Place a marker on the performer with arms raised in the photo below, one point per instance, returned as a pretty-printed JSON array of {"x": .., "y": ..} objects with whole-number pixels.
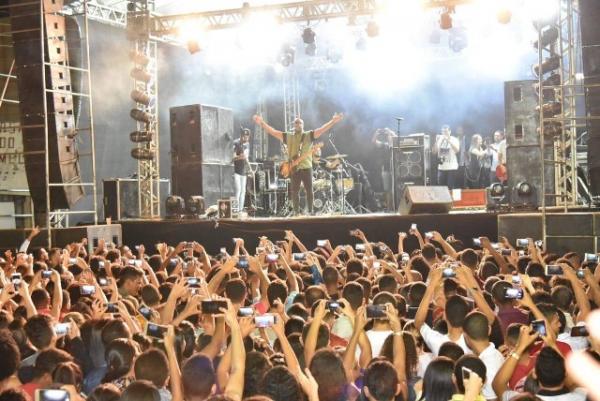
[{"x": 300, "y": 148}]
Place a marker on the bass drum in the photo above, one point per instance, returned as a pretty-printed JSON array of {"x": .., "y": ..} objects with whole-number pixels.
[{"x": 319, "y": 201}]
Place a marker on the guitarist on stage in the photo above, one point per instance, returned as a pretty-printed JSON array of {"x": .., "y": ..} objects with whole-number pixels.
[{"x": 300, "y": 148}]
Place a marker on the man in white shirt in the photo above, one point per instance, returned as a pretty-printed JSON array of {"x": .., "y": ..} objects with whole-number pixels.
[
  {"x": 446, "y": 147},
  {"x": 496, "y": 150},
  {"x": 477, "y": 330}
]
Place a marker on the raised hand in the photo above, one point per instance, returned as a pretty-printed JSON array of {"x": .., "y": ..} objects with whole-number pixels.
[
  {"x": 258, "y": 119},
  {"x": 337, "y": 117}
]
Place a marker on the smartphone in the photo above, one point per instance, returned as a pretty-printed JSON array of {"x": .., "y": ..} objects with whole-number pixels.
[
  {"x": 321, "y": 242},
  {"x": 333, "y": 306},
  {"x": 405, "y": 257},
  {"x": 539, "y": 243},
  {"x": 61, "y": 329},
  {"x": 193, "y": 282},
  {"x": 590, "y": 257},
  {"x": 579, "y": 331},
  {"x": 101, "y": 264},
  {"x": 539, "y": 326},
  {"x": 212, "y": 307},
  {"x": 506, "y": 252},
  {"x": 103, "y": 282},
  {"x": 466, "y": 374},
  {"x": 448, "y": 273},
  {"x": 272, "y": 257},
  {"x": 15, "y": 279},
  {"x": 112, "y": 308},
  {"x": 554, "y": 270},
  {"x": 521, "y": 253},
  {"x": 299, "y": 256},
  {"x": 522, "y": 242},
  {"x": 242, "y": 262},
  {"x": 145, "y": 312},
  {"x": 376, "y": 312},
  {"x": 87, "y": 290},
  {"x": 376, "y": 265},
  {"x": 46, "y": 273},
  {"x": 516, "y": 279},
  {"x": 413, "y": 227},
  {"x": 49, "y": 394},
  {"x": 476, "y": 242},
  {"x": 429, "y": 235},
  {"x": 155, "y": 330},
  {"x": 354, "y": 233},
  {"x": 360, "y": 247},
  {"x": 135, "y": 262},
  {"x": 580, "y": 274},
  {"x": 266, "y": 320},
  {"x": 245, "y": 311},
  {"x": 513, "y": 293},
  {"x": 223, "y": 251},
  {"x": 72, "y": 261}
]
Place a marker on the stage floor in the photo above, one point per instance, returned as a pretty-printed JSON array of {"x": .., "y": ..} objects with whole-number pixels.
[{"x": 214, "y": 234}]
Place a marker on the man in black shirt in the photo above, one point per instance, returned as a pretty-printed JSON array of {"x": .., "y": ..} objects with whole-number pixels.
[{"x": 241, "y": 151}]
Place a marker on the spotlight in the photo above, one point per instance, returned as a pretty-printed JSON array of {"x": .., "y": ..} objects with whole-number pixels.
[
  {"x": 496, "y": 197},
  {"x": 193, "y": 46},
  {"x": 140, "y": 74},
  {"x": 372, "y": 29},
  {"x": 175, "y": 207},
  {"x": 446, "y": 18},
  {"x": 139, "y": 58},
  {"x": 140, "y": 97},
  {"x": 497, "y": 190},
  {"x": 550, "y": 64},
  {"x": 549, "y": 35},
  {"x": 311, "y": 49},
  {"x": 287, "y": 56},
  {"x": 141, "y": 136},
  {"x": 141, "y": 116},
  {"x": 524, "y": 188},
  {"x": 550, "y": 109},
  {"x": 308, "y": 36},
  {"x": 142, "y": 154},
  {"x": 524, "y": 196},
  {"x": 504, "y": 16},
  {"x": 458, "y": 39},
  {"x": 195, "y": 206}
]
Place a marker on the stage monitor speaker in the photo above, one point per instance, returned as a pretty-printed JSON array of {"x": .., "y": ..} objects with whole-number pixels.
[
  {"x": 411, "y": 159},
  {"x": 201, "y": 152},
  {"x": 120, "y": 198},
  {"x": 62, "y": 134},
  {"x": 422, "y": 199}
]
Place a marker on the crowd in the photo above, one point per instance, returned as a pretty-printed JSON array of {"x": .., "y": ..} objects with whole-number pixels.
[{"x": 369, "y": 322}]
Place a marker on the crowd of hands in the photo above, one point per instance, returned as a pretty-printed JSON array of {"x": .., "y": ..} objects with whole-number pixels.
[{"x": 196, "y": 295}]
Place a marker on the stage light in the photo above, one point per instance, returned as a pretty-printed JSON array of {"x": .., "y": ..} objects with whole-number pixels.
[
  {"x": 140, "y": 115},
  {"x": 139, "y": 58},
  {"x": 446, "y": 18},
  {"x": 549, "y": 35},
  {"x": 308, "y": 36},
  {"x": 524, "y": 188},
  {"x": 372, "y": 29},
  {"x": 174, "y": 207},
  {"x": 193, "y": 46},
  {"x": 195, "y": 206},
  {"x": 143, "y": 154},
  {"x": 549, "y": 65},
  {"x": 140, "y": 74},
  {"x": 497, "y": 190},
  {"x": 550, "y": 109},
  {"x": 141, "y": 136},
  {"x": 140, "y": 97},
  {"x": 457, "y": 40},
  {"x": 504, "y": 16},
  {"x": 287, "y": 55},
  {"x": 524, "y": 196}
]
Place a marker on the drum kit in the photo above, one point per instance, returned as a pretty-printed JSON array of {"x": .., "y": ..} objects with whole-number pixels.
[{"x": 332, "y": 183}]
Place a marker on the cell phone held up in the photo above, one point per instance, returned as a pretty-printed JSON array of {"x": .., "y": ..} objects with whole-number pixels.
[
  {"x": 376, "y": 312},
  {"x": 49, "y": 394},
  {"x": 513, "y": 293},
  {"x": 213, "y": 307},
  {"x": 155, "y": 330},
  {"x": 539, "y": 326}
]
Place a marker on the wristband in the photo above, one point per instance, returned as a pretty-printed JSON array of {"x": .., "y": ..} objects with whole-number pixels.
[{"x": 515, "y": 356}]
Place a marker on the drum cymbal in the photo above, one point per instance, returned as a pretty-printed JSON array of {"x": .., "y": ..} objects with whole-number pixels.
[{"x": 338, "y": 156}]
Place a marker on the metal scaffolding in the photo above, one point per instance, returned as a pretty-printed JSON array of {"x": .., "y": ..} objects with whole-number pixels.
[
  {"x": 291, "y": 97},
  {"x": 144, "y": 80}
]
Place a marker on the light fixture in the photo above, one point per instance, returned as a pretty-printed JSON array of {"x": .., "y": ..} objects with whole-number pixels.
[
  {"x": 548, "y": 65},
  {"x": 287, "y": 55},
  {"x": 548, "y": 36},
  {"x": 141, "y": 136},
  {"x": 308, "y": 36},
  {"x": 372, "y": 29},
  {"x": 446, "y": 18},
  {"x": 195, "y": 206},
  {"x": 504, "y": 15},
  {"x": 524, "y": 188},
  {"x": 139, "y": 74},
  {"x": 140, "y": 97},
  {"x": 497, "y": 190},
  {"x": 141, "y": 116},
  {"x": 193, "y": 46},
  {"x": 143, "y": 153},
  {"x": 174, "y": 207}
]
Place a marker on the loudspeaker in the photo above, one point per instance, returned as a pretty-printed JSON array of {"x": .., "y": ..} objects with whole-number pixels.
[
  {"x": 29, "y": 67},
  {"x": 201, "y": 152},
  {"x": 421, "y": 199},
  {"x": 523, "y": 161},
  {"x": 120, "y": 197},
  {"x": 412, "y": 157}
]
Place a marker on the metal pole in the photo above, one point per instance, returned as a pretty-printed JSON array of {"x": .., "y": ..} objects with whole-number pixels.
[
  {"x": 46, "y": 142},
  {"x": 541, "y": 138},
  {"x": 91, "y": 111},
  {"x": 12, "y": 65}
]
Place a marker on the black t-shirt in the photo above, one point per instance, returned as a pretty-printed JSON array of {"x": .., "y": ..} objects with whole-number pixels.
[{"x": 239, "y": 166}]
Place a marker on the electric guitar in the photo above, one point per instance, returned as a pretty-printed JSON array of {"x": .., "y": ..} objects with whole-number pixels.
[{"x": 287, "y": 168}]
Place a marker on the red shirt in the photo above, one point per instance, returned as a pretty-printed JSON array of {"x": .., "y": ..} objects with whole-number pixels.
[
  {"x": 30, "y": 388},
  {"x": 521, "y": 371}
]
